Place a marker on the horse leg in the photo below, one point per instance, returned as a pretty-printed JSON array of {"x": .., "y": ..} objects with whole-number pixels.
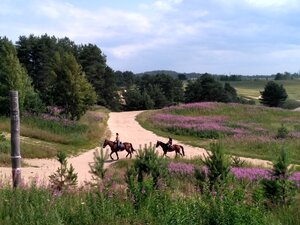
[
  {"x": 111, "y": 156},
  {"x": 180, "y": 153},
  {"x": 128, "y": 152},
  {"x": 117, "y": 155}
]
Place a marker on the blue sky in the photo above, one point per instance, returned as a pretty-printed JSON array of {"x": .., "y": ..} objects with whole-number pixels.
[{"x": 246, "y": 37}]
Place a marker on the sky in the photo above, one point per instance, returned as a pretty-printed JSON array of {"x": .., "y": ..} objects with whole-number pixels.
[{"x": 247, "y": 37}]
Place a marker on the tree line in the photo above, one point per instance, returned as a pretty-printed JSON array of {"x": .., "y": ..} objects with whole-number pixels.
[{"x": 50, "y": 71}]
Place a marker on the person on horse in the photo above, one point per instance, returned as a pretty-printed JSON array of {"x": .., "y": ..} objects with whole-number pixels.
[
  {"x": 118, "y": 142},
  {"x": 169, "y": 143}
]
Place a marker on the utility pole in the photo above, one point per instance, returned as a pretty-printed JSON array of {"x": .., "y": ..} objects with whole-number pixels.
[{"x": 15, "y": 138}]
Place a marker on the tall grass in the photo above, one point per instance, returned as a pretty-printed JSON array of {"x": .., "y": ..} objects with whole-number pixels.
[
  {"x": 43, "y": 138},
  {"x": 178, "y": 202}
]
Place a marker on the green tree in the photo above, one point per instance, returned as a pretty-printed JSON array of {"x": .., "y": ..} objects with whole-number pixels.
[
  {"x": 73, "y": 92},
  {"x": 279, "y": 189},
  {"x": 273, "y": 95},
  {"x": 230, "y": 93},
  {"x": 205, "y": 88},
  {"x": 93, "y": 63},
  {"x": 37, "y": 54},
  {"x": 13, "y": 77},
  {"x": 133, "y": 99}
]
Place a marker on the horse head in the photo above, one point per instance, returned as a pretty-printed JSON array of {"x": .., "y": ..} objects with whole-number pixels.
[
  {"x": 105, "y": 143},
  {"x": 157, "y": 143}
]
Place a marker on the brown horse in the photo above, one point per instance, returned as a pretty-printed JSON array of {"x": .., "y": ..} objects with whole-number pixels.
[
  {"x": 172, "y": 148},
  {"x": 114, "y": 148}
]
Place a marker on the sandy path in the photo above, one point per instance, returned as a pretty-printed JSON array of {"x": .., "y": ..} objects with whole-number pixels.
[{"x": 129, "y": 130}]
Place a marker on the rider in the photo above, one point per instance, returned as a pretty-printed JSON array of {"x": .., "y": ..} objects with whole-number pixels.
[
  {"x": 118, "y": 140},
  {"x": 169, "y": 143}
]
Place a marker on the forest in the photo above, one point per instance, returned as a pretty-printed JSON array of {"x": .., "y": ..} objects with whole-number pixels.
[{"x": 55, "y": 72}]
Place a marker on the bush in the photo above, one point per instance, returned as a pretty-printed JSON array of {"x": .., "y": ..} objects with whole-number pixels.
[
  {"x": 64, "y": 178},
  {"x": 273, "y": 95},
  {"x": 142, "y": 178},
  {"x": 290, "y": 104},
  {"x": 218, "y": 166},
  {"x": 282, "y": 132},
  {"x": 279, "y": 190},
  {"x": 97, "y": 167}
]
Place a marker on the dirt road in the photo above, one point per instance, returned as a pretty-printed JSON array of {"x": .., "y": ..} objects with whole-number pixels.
[{"x": 129, "y": 130}]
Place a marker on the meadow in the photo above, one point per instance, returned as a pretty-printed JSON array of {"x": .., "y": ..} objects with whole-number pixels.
[
  {"x": 251, "y": 88},
  {"x": 45, "y": 135},
  {"x": 245, "y": 130},
  {"x": 150, "y": 190}
]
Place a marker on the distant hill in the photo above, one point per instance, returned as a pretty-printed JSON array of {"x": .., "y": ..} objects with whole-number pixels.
[
  {"x": 171, "y": 73},
  {"x": 224, "y": 77}
]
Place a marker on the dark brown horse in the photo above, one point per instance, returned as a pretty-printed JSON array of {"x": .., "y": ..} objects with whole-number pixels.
[
  {"x": 172, "y": 148},
  {"x": 114, "y": 148}
]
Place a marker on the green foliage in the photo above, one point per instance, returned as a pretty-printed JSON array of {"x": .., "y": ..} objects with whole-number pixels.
[
  {"x": 273, "y": 95},
  {"x": 155, "y": 91},
  {"x": 218, "y": 166},
  {"x": 56, "y": 75},
  {"x": 142, "y": 178},
  {"x": 102, "y": 77},
  {"x": 13, "y": 77},
  {"x": 2, "y": 137},
  {"x": 237, "y": 161},
  {"x": 279, "y": 190},
  {"x": 4, "y": 145},
  {"x": 229, "y": 207},
  {"x": 290, "y": 104},
  {"x": 76, "y": 93},
  {"x": 282, "y": 132},
  {"x": 65, "y": 177},
  {"x": 37, "y": 206},
  {"x": 206, "y": 88},
  {"x": 109, "y": 96},
  {"x": 97, "y": 167}
]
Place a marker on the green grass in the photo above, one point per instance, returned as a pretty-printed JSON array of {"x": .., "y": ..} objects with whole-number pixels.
[
  {"x": 179, "y": 202},
  {"x": 41, "y": 138},
  {"x": 260, "y": 125},
  {"x": 251, "y": 88}
]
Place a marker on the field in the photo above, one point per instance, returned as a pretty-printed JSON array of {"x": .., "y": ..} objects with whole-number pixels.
[
  {"x": 123, "y": 198},
  {"x": 45, "y": 135},
  {"x": 251, "y": 88},
  {"x": 245, "y": 130},
  {"x": 154, "y": 190}
]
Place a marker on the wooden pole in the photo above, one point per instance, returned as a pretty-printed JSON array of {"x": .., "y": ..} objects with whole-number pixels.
[{"x": 15, "y": 138}]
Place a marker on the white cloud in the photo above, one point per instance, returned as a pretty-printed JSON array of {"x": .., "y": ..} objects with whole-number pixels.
[
  {"x": 130, "y": 50},
  {"x": 271, "y": 3}
]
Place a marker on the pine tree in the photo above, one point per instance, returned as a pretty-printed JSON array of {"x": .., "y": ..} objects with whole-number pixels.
[
  {"x": 273, "y": 95},
  {"x": 12, "y": 77}
]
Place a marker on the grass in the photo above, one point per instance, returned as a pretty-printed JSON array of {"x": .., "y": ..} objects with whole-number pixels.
[
  {"x": 41, "y": 138},
  {"x": 251, "y": 88},
  {"x": 245, "y": 130},
  {"x": 110, "y": 202}
]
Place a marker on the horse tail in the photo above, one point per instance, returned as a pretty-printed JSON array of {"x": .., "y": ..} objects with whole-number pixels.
[
  {"x": 133, "y": 150},
  {"x": 182, "y": 149}
]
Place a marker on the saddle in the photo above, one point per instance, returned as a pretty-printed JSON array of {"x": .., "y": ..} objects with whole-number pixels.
[{"x": 120, "y": 145}]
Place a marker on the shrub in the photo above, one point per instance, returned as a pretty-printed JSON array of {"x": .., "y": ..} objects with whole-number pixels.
[
  {"x": 282, "y": 132},
  {"x": 279, "y": 190},
  {"x": 217, "y": 163},
  {"x": 97, "y": 167},
  {"x": 290, "y": 104},
  {"x": 64, "y": 177},
  {"x": 273, "y": 95},
  {"x": 142, "y": 178}
]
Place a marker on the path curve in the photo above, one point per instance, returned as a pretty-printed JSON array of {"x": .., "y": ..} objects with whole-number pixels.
[{"x": 129, "y": 129}]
